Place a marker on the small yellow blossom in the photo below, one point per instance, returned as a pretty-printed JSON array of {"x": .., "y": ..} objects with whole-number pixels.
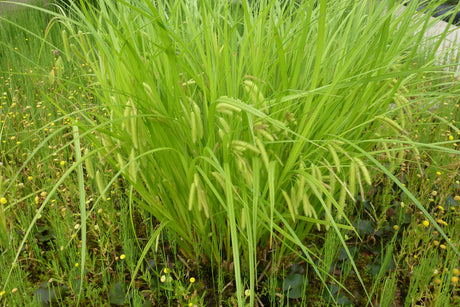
[
  {"x": 122, "y": 256},
  {"x": 457, "y": 197},
  {"x": 436, "y": 242},
  {"x": 166, "y": 270},
  {"x": 30, "y": 178},
  {"x": 190, "y": 304},
  {"x": 426, "y": 223},
  {"x": 456, "y": 272},
  {"x": 442, "y": 246},
  {"x": 451, "y": 138},
  {"x": 3, "y": 201},
  {"x": 438, "y": 173},
  {"x": 439, "y": 221},
  {"x": 192, "y": 280},
  {"x": 2, "y": 293},
  {"x": 441, "y": 208},
  {"x": 437, "y": 281},
  {"x": 76, "y": 264},
  {"x": 62, "y": 163},
  {"x": 454, "y": 279},
  {"x": 395, "y": 227}
]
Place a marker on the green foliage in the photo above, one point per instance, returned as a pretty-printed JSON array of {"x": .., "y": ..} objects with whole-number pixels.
[
  {"x": 244, "y": 129},
  {"x": 251, "y": 115},
  {"x": 67, "y": 4}
]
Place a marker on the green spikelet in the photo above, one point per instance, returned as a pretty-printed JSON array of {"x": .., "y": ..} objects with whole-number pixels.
[
  {"x": 83, "y": 43},
  {"x": 289, "y": 204},
  {"x": 193, "y": 127},
  {"x": 89, "y": 166},
  {"x": 256, "y": 95},
  {"x": 198, "y": 120},
  {"x": 121, "y": 162},
  {"x": 191, "y": 196},
  {"x": 335, "y": 157},
  {"x": 100, "y": 184},
  {"x": 341, "y": 202},
  {"x": 65, "y": 42},
  {"x": 132, "y": 168},
  {"x": 77, "y": 53},
  {"x": 352, "y": 178}
]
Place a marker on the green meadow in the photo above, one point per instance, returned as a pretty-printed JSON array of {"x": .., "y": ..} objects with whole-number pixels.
[{"x": 228, "y": 153}]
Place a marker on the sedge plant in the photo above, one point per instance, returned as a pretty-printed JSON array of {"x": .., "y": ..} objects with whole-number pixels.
[
  {"x": 248, "y": 124},
  {"x": 244, "y": 126}
]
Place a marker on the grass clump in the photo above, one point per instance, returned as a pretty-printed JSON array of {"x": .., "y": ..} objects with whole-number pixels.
[{"x": 240, "y": 131}]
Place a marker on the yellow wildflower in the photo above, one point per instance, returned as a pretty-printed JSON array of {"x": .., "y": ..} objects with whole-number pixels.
[{"x": 439, "y": 221}]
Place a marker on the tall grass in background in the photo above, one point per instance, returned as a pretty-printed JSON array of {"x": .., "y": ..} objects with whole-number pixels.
[{"x": 244, "y": 126}]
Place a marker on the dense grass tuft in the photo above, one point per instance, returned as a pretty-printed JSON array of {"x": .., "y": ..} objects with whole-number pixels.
[{"x": 255, "y": 140}]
